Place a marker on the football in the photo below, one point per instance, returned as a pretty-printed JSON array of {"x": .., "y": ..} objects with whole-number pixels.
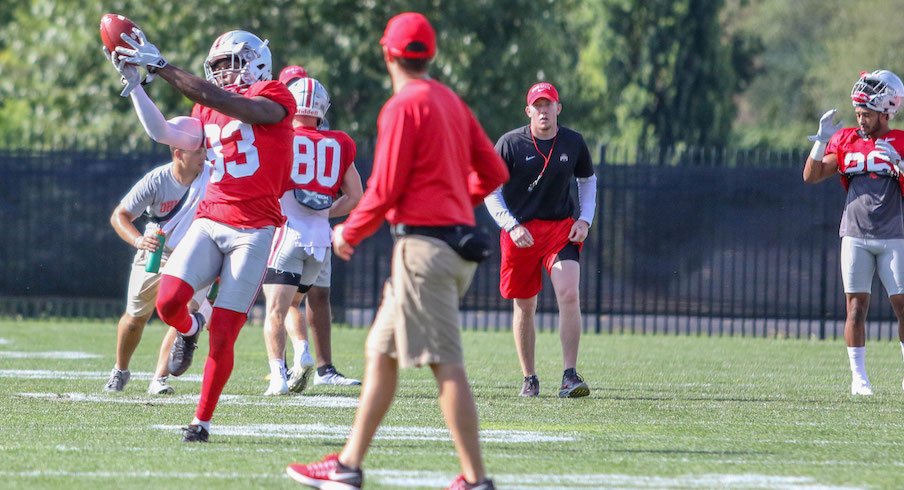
[{"x": 111, "y": 27}]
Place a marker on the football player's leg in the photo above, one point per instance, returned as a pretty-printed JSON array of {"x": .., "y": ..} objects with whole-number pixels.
[
  {"x": 193, "y": 265},
  {"x": 319, "y": 314},
  {"x": 278, "y": 300},
  {"x": 240, "y": 279},
  {"x": 858, "y": 265}
]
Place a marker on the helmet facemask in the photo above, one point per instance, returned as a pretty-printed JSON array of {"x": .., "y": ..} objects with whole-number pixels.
[
  {"x": 879, "y": 91},
  {"x": 246, "y": 65}
]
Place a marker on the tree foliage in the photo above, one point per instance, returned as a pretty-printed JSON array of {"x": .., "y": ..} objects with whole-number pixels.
[{"x": 635, "y": 72}]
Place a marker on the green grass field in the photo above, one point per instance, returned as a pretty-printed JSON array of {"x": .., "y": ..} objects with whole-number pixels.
[{"x": 665, "y": 412}]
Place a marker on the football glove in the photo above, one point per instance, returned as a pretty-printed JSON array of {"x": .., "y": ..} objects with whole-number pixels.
[
  {"x": 826, "y": 127},
  {"x": 128, "y": 74},
  {"x": 891, "y": 154},
  {"x": 142, "y": 52}
]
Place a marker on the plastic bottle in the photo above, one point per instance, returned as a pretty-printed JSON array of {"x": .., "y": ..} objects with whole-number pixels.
[{"x": 154, "y": 258}]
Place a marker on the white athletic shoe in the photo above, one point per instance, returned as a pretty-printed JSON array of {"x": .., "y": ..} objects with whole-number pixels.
[
  {"x": 277, "y": 388},
  {"x": 159, "y": 386},
  {"x": 861, "y": 387},
  {"x": 299, "y": 376},
  {"x": 334, "y": 378}
]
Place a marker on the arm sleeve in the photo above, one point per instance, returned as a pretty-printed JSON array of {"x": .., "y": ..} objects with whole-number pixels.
[
  {"x": 499, "y": 211},
  {"x": 583, "y": 171},
  {"x": 487, "y": 170},
  {"x": 587, "y": 197},
  {"x": 393, "y": 162},
  {"x": 181, "y": 132}
]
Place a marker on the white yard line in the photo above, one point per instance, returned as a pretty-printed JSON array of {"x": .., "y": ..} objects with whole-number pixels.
[
  {"x": 340, "y": 432},
  {"x": 436, "y": 479},
  {"x": 8, "y": 354},
  {"x": 47, "y": 374},
  {"x": 235, "y": 400},
  {"x": 5, "y": 341}
]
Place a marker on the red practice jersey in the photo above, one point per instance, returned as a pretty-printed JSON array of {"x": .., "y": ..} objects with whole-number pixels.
[
  {"x": 251, "y": 162},
  {"x": 857, "y": 155},
  {"x": 321, "y": 159}
]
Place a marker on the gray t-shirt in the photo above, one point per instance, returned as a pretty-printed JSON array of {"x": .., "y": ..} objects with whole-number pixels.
[
  {"x": 158, "y": 192},
  {"x": 873, "y": 208}
]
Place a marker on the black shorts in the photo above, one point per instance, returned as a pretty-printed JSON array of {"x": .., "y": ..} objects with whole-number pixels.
[
  {"x": 286, "y": 278},
  {"x": 571, "y": 251}
]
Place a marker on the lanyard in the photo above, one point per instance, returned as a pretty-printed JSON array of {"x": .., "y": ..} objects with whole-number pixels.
[{"x": 546, "y": 158}]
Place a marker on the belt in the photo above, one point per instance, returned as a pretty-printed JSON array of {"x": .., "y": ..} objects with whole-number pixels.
[{"x": 441, "y": 232}]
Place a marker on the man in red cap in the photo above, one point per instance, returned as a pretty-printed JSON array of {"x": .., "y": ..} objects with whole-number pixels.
[
  {"x": 536, "y": 213},
  {"x": 433, "y": 163}
]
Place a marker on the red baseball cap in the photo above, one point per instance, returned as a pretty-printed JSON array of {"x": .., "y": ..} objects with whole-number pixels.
[
  {"x": 292, "y": 72},
  {"x": 542, "y": 90},
  {"x": 405, "y": 29}
]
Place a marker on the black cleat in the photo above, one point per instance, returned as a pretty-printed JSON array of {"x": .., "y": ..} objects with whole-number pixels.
[
  {"x": 183, "y": 350},
  {"x": 195, "y": 433}
]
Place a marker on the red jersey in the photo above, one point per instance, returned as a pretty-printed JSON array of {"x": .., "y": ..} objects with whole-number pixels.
[
  {"x": 251, "y": 162},
  {"x": 320, "y": 160},
  {"x": 858, "y": 156},
  {"x": 432, "y": 164}
]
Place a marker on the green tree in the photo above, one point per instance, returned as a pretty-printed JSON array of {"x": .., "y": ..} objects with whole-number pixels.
[
  {"x": 663, "y": 72},
  {"x": 58, "y": 89}
]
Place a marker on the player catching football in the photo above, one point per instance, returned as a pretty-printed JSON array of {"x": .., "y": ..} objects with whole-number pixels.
[
  {"x": 247, "y": 131},
  {"x": 868, "y": 157}
]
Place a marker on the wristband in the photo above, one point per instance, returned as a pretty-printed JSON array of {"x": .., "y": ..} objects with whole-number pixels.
[
  {"x": 137, "y": 241},
  {"x": 819, "y": 151}
]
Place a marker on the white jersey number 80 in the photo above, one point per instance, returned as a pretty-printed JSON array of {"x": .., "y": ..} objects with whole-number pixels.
[{"x": 311, "y": 161}]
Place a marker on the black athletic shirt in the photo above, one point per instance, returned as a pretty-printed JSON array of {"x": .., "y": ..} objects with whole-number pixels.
[{"x": 550, "y": 199}]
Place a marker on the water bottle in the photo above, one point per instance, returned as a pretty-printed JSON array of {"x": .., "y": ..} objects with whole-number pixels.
[{"x": 154, "y": 258}]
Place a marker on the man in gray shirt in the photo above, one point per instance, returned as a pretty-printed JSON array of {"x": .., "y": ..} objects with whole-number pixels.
[
  {"x": 168, "y": 195},
  {"x": 868, "y": 157}
]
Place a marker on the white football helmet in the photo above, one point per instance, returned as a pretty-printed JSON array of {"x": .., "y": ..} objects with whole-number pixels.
[
  {"x": 247, "y": 54},
  {"x": 880, "y": 91},
  {"x": 311, "y": 98}
]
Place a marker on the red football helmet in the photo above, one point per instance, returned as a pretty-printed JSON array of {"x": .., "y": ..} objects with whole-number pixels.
[{"x": 291, "y": 73}]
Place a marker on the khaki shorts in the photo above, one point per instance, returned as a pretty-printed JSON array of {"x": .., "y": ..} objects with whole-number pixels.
[
  {"x": 417, "y": 322},
  {"x": 142, "y": 293}
]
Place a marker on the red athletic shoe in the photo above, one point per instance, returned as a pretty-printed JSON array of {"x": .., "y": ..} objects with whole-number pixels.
[
  {"x": 328, "y": 474},
  {"x": 461, "y": 484}
]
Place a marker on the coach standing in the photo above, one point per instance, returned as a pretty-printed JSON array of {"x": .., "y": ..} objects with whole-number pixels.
[
  {"x": 534, "y": 210},
  {"x": 433, "y": 163}
]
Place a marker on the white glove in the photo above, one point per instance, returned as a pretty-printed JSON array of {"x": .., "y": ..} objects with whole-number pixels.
[
  {"x": 821, "y": 139},
  {"x": 128, "y": 74},
  {"x": 142, "y": 52},
  {"x": 892, "y": 155},
  {"x": 826, "y": 127}
]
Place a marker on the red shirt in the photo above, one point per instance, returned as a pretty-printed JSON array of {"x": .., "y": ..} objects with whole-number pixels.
[
  {"x": 432, "y": 164},
  {"x": 321, "y": 160},
  {"x": 857, "y": 155},
  {"x": 251, "y": 162}
]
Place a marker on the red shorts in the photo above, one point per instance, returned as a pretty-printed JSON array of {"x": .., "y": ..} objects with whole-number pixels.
[{"x": 520, "y": 273}]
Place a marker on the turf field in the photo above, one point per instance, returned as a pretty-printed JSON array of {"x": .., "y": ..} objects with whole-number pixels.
[{"x": 665, "y": 412}]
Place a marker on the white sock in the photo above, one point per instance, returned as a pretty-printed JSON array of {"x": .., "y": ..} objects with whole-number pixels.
[
  {"x": 277, "y": 370},
  {"x": 205, "y": 310},
  {"x": 857, "y": 356},
  {"x": 902, "y": 348},
  {"x": 202, "y": 423},
  {"x": 194, "y": 327},
  {"x": 300, "y": 347}
]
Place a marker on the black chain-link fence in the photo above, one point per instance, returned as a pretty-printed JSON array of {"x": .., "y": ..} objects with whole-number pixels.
[{"x": 699, "y": 241}]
